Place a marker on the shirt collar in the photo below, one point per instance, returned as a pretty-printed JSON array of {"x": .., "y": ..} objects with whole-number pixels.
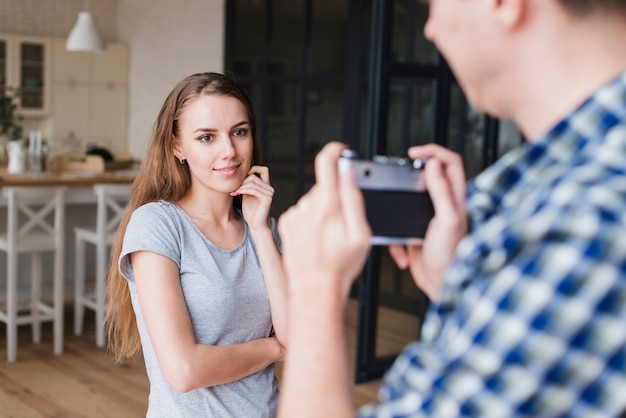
[{"x": 574, "y": 138}]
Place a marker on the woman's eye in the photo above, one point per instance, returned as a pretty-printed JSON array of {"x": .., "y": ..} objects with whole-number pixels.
[
  {"x": 240, "y": 132},
  {"x": 205, "y": 138}
]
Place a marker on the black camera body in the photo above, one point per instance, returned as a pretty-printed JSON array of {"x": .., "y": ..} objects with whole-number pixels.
[{"x": 397, "y": 204}]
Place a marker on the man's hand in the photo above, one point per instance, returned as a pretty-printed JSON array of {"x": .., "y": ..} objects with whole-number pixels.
[
  {"x": 445, "y": 181},
  {"x": 326, "y": 237}
]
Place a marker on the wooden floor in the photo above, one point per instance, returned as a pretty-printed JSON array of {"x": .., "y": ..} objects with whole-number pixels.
[{"x": 83, "y": 382}]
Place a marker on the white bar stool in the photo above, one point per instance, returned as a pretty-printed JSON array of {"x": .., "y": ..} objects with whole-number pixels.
[
  {"x": 35, "y": 224},
  {"x": 111, "y": 204}
]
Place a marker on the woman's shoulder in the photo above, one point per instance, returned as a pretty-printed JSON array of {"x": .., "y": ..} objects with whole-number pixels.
[
  {"x": 152, "y": 208},
  {"x": 160, "y": 211}
]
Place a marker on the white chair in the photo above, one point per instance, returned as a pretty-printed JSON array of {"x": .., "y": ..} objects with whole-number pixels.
[
  {"x": 111, "y": 203},
  {"x": 35, "y": 224}
]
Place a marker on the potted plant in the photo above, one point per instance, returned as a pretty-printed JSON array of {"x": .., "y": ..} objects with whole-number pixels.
[
  {"x": 11, "y": 129},
  {"x": 10, "y": 121}
]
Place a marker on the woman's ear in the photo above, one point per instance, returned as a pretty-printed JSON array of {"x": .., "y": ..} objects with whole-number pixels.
[{"x": 177, "y": 149}]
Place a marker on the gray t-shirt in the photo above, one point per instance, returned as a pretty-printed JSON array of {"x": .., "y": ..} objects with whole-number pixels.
[{"x": 228, "y": 304}]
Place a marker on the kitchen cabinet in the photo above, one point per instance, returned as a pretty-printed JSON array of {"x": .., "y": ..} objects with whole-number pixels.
[
  {"x": 89, "y": 96},
  {"x": 25, "y": 64}
]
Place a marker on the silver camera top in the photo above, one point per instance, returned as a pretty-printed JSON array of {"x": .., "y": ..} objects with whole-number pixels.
[
  {"x": 386, "y": 159},
  {"x": 384, "y": 172},
  {"x": 397, "y": 204}
]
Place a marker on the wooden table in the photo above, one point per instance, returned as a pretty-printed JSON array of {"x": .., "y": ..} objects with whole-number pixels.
[{"x": 80, "y": 184}]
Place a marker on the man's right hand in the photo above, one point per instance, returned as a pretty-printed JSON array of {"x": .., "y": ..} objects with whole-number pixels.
[
  {"x": 325, "y": 236},
  {"x": 445, "y": 180}
]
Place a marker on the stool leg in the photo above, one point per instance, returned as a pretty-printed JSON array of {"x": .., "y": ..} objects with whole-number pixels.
[
  {"x": 101, "y": 251},
  {"x": 35, "y": 296},
  {"x": 58, "y": 295},
  {"x": 12, "y": 303},
  {"x": 79, "y": 284}
]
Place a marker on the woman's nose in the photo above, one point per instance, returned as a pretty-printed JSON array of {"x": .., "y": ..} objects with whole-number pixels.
[{"x": 227, "y": 147}]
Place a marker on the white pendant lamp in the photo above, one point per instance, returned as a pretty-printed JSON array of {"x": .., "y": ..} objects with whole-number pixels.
[{"x": 85, "y": 36}]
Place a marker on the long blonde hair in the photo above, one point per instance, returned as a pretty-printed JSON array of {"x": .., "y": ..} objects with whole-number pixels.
[{"x": 161, "y": 177}]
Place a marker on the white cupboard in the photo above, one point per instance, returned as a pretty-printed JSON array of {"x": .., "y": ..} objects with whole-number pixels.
[
  {"x": 24, "y": 64},
  {"x": 89, "y": 96}
]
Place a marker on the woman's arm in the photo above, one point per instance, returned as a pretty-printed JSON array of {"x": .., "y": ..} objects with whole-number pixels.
[
  {"x": 185, "y": 364},
  {"x": 257, "y": 199},
  {"x": 275, "y": 280}
]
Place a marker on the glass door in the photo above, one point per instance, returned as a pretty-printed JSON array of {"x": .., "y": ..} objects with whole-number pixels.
[
  {"x": 3, "y": 64},
  {"x": 363, "y": 73},
  {"x": 32, "y": 75}
]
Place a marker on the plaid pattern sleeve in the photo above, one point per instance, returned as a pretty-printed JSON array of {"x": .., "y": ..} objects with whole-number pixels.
[{"x": 532, "y": 321}]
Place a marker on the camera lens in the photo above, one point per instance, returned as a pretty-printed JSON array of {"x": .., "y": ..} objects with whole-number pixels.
[{"x": 366, "y": 172}]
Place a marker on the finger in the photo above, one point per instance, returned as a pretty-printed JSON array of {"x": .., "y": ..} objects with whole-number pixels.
[
  {"x": 326, "y": 165},
  {"x": 353, "y": 208},
  {"x": 254, "y": 181},
  {"x": 262, "y": 171},
  {"x": 440, "y": 191},
  {"x": 452, "y": 165},
  {"x": 260, "y": 193},
  {"x": 399, "y": 255},
  {"x": 430, "y": 151}
]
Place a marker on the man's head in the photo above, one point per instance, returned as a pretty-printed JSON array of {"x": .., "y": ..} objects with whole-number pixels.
[{"x": 526, "y": 59}]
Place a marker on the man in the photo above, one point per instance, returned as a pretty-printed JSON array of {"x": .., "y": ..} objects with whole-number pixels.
[{"x": 529, "y": 307}]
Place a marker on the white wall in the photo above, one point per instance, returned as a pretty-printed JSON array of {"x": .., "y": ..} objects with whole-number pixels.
[{"x": 168, "y": 40}]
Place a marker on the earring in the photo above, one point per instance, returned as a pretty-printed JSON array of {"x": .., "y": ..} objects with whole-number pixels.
[{"x": 182, "y": 160}]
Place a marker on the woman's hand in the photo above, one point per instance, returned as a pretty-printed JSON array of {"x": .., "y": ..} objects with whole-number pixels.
[
  {"x": 257, "y": 195},
  {"x": 445, "y": 180}
]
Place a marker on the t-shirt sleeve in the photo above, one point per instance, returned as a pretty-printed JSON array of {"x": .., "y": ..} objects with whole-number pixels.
[{"x": 151, "y": 228}]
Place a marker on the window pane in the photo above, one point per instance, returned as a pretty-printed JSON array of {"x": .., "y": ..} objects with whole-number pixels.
[
  {"x": 328, "y": 37},
  {"x": 509, "y": 137},
  {"x": 408, "y": 41},
  {"x": 324, "y": 108},
  {"x": 411, "y": 114},
  {"x": 287, "y": 34},
  {"x": 284, "y": 194},
  {"x": 32, "y": 76},
  {"x": 249, "y": 36},
  {"x": 3, "y": 64},
  {"x": 466, "y": 132},
  {"x": 401, "y": 302},
  {"x": 282, "y": 127}
]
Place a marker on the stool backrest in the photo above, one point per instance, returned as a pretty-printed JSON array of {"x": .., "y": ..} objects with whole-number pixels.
[
  {"x": 35, "y": 210},
  {"x": 112, "y": 200}
]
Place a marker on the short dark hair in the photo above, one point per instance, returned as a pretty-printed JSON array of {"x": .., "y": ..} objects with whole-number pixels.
[{"x": 583, "y": 7}]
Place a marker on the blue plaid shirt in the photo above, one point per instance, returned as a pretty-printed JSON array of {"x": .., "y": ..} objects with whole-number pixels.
[{"x": 532, "y": 320}]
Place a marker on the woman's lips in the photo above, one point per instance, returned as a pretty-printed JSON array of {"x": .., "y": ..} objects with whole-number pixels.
[{"x": 228, "y": 171}]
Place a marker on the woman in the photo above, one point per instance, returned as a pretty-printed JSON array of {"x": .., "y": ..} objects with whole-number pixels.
[{"x": 200, "y": 285}]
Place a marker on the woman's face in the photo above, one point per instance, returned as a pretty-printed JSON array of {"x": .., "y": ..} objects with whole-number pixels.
[{"x": 214, "y": 138}]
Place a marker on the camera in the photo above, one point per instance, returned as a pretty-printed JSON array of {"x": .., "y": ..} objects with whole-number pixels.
[{"x": 397, "y": 204}]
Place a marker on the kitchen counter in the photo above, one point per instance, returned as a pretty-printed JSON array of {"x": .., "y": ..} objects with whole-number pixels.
[
  {"x": 71, "y": 179},
  {"x": 80, "y": 184}
]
